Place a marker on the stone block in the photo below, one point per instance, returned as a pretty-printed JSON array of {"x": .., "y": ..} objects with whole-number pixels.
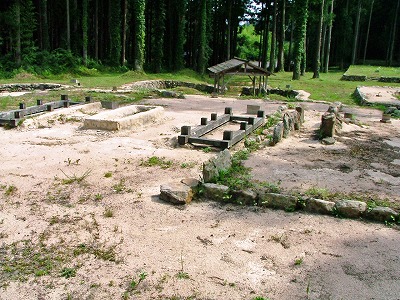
[
  {"x": 252, "y": 109},
  {"x": 277, "y": 134},
  {"x": 244, "y": 197},
  {"x": 176, "y": 194},
  {"x": 350, "y": 208},
  {"x": 277, "y": 201},
  {"x": 319, "y": 206},
  {"x": 328, "y": 122},
  {"x": 216, "y": 192},
  {"x": 211, "y": 168},
  {"x": 382, "y": 214}
]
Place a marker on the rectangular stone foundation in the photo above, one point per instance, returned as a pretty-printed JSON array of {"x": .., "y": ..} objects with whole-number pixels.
[{"x": 124, "y": 117}]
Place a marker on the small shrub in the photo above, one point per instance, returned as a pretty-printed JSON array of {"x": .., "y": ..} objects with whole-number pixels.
[
  {"x": 157, "y": 161},
  {"x": 108, "y": 213},
  {"x": 68, "y": 272}
]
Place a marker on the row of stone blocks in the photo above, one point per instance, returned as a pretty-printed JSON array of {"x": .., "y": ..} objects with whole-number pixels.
[
  {"x": 12, "y": 117},
  {"x": 263, "y": 198},
  {"x": 183, "y": 193},
  {"x": 291, "y": 120}
]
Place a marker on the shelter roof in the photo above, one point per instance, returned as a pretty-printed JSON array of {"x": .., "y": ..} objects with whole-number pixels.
[{"x": 238, "y": 65}]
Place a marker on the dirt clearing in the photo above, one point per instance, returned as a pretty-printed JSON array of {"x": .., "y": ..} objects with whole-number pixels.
[{"x": 80, "y": 216}]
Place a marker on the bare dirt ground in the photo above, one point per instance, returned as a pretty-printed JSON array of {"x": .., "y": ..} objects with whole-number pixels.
[{"x": 64, "y": 235}]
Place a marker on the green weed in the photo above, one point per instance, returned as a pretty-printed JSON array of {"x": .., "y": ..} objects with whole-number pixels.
[
  {"x": 68, "y": 272},
  {"x": 108, "y": 213},
  {"x": 10, "y": 190},
  {"x": 108, "y": 174},
  {"x": 157, "y": 161},
  {"x": 75, "y": 178}
]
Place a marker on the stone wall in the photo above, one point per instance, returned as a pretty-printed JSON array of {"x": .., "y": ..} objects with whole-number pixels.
[
  {"x": 18, "y": 87},
  {"x": 169, "y": 84}
]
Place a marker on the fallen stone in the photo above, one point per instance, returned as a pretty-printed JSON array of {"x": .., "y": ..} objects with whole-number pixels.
[
  {"x": 350, "y": 208},
  {"x": 382, "y": 214},
  {"x": 277, "y": 201},
  {"x": 176, "y": 194},
  {"x": 244, "y": 197},
  {"x": 328, "y": 141},
  {"x": 278, "y": 133},
  {"x": 319, "y": 206},
  {"x": 191, "y": 182},
  {"x": 216, "y": 192},
  {"x": 213, "y": 166}
]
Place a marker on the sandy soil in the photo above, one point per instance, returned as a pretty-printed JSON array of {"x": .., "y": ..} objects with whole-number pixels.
[{"x": 106, "y": 231}]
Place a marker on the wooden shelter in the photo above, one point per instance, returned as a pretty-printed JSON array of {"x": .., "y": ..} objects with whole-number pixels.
[{"x": 238, "y": 66}]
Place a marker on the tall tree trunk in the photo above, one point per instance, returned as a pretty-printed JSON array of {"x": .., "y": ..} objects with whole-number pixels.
[
  {"x": 228, "y": 34},
  {"x": 393, "y": 34},
  {"x": 290, "y": 54},
  {"x": 18, "y": 58},
  {"x": 139, "y": 34},
  {"x": 85, "y": 31},
  {"x": 272, "y": 58},
  {"x": 124, "y": 21},
  {"x": 159, "y": 33},
  {"x": 203, "y": 38},
  {"x": 45, "y": 26},
  {"x": 265, "y": 37},
  {"x": 328, "y": 44},
  {"x": 68, "y": 27},
  {"x": 178, "y": 57},
  {"x": 96, "y": 30},
  {"x": 368, "y": 27},
  {"x": 317, "y": 57},
  {"x": 301, "y": 15},
  {"x": 304, "y": 57},
  {"x": 356, "y": 32},
  {"x": 281, "y": 50}
]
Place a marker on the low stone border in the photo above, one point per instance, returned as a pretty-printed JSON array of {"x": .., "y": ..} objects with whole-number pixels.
[
  {"x": 291, "y": 120},
  {"x": 262, "y": 197},
  {"x": 168, "y": 84},
  {"x": 17, "y": 87},
  {"x": 366, "y": 78}
]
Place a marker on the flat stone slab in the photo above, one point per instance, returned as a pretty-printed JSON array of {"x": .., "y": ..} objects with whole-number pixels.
[
  {"x": 124, "y": 117},
  {"x": 380, "y": 95}
]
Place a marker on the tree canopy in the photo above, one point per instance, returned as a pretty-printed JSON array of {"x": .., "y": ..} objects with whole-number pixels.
[{"x": 43, "y": 36}]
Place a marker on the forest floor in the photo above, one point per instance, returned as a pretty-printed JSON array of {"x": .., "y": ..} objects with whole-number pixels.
[{"x": 80, "y": 216}]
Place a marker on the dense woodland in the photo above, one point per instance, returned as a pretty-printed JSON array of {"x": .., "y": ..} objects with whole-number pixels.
[{"x": 50, "y": 37}]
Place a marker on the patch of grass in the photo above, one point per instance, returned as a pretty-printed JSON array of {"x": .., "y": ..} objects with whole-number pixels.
[
  {"x": 10, "y": 190},
  {"x": 108, "y": 213},
  {"x": 133, "y": 285},
  {"x": 98, "y": 197},
  {"x": 157, "y": 161},
  {"x": 298, "y": 261},
  {"x": 182, "y": 275},
  {"x": 100, "y": 251},
  {"x": 373, "y": 71},
  {"x": 68, "y": 272},
  {"x": 319, "y": 193},
  {"x": 207, "y": 149},
  {"x": 119, "y": 187},
  {"x": 75, "y": 178},
  {"x": 108, "y": 174},
  {"x": 23, "y": 259},
  {"x": 188, "y": 165}
]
